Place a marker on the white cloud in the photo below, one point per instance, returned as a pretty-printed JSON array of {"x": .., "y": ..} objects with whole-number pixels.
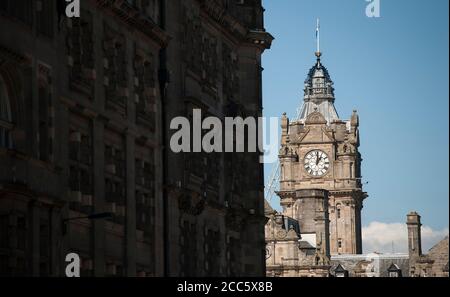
[{"x": 386, "y": 237}]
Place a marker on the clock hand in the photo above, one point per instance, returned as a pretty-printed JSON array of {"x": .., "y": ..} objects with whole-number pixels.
[{"x": 317, "y": 158}]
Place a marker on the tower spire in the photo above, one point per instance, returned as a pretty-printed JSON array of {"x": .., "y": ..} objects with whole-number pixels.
[{"x": 318, "y": 53}]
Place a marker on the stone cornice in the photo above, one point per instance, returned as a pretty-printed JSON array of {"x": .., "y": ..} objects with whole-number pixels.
[
  {"x": 234, "y": 27},
  {"x": 134, "y": 18},
  {"x": 357, "y": 195},
  {"x": 340, "y": 193},
  {"x": 285, "y": 194},
  {"x": 260, "y": 38}
]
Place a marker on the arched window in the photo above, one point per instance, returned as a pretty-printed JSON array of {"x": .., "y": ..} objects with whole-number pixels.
[{"x": 5, "y": 116}]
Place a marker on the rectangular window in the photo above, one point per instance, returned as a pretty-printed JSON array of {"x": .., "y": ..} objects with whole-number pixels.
[
  {"x": 80, "y": 154},
  {"x": 43, "y": 124}
]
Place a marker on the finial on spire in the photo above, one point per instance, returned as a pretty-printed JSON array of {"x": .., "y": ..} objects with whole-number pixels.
[{"x": 318, "y": 53}]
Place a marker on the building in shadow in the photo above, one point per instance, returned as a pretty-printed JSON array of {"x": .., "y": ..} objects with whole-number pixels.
[{"x": 85, "y": 110}]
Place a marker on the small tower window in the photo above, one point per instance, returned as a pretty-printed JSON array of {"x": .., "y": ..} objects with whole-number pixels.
[
  {"x": 340, "y": 243},
  {"x": 338, "y": 211}
]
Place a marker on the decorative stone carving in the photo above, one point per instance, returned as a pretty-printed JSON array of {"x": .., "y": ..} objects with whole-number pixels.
[{"x": 281, "y": 234}]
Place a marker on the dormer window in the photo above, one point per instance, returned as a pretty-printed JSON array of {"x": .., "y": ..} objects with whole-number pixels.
[
  {"x": 340, "y": 271},
  {"x": 394, "y": 271}
]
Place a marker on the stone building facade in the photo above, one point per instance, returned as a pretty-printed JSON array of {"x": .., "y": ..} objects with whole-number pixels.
[
  {"x": 85, "y": 106},
  {"x": 292, "y": 254},
  {"x": 214, "y": 201}
]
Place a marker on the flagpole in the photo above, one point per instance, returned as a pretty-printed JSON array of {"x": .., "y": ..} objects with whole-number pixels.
[{"x": 318, "y": 35}]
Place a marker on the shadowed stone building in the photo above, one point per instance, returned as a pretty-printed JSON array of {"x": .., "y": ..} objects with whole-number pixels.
[{"x": 85, "y": 107}]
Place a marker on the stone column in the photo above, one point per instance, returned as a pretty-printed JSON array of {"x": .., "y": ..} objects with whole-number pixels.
[{"x": 322, "y": 223}]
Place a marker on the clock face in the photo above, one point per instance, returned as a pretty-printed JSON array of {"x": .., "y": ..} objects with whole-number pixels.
[{"x": 317, "y": 163}]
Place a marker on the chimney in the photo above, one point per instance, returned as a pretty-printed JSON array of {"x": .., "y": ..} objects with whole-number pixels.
[{"x": 414, "y": 235}]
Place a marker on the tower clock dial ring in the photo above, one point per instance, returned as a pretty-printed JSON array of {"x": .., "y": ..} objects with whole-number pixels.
[{"x": 316, "y": 163}]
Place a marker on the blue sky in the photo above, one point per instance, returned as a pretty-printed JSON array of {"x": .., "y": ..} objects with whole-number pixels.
[{"x": 394, "y": 71}]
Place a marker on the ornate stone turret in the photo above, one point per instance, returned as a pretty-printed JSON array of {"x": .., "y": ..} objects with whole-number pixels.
[{"x": 319, "y": 93}]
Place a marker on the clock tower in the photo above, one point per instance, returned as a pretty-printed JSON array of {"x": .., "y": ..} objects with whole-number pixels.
[{"x": 319, "y": 151}]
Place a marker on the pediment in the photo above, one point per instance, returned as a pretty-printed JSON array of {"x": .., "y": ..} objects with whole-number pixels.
[{"x": 315, "y": 118}]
